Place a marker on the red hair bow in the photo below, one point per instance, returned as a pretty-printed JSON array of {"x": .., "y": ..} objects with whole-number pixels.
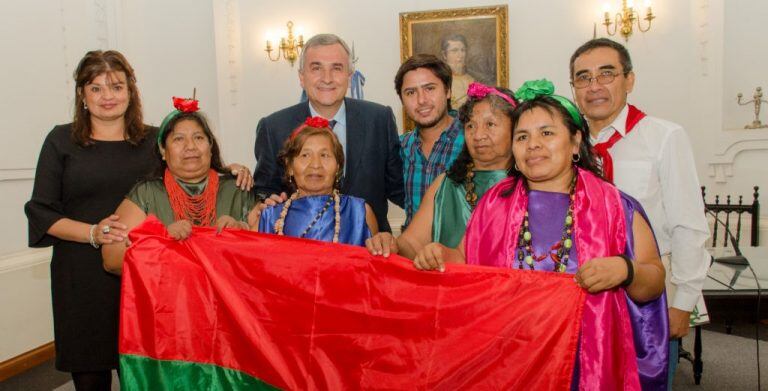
[
  {"x": 311, "y": 122},
  {"x": 186, "y": 105},
  {"x": 316, "y": 122}
]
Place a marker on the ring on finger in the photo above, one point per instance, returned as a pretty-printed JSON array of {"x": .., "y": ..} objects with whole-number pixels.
[{"x": 105, "y": 229}]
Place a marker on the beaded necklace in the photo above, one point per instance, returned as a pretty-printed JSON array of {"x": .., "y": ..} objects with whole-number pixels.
[
  {"x": 560, "y": 251},
  {"x": 200, "y": 208},
  {"x": 280, "y": 223}
]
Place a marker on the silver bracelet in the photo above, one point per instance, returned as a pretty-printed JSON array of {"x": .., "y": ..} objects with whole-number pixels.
[{"x": 91, "y": 238}]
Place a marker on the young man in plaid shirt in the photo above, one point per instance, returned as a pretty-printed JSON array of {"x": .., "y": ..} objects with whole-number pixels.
[{"x": 423, "y": 84}]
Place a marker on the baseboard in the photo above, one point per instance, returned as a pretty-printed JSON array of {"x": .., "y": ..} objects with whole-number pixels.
[{"x": 26, "y": 361}]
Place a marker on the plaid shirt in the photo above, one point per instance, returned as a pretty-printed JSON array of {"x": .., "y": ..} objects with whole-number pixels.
[{"x": 419, "y": 171}]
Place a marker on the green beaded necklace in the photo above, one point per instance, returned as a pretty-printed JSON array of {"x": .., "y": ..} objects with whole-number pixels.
[{"x": 560, "y": 251}]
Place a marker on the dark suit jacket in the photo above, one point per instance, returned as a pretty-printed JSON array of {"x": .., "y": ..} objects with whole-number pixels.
[{"x": 374, "y": 167}]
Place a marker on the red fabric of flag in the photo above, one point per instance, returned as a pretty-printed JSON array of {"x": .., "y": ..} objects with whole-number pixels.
[{"x": 302, "y": 314}]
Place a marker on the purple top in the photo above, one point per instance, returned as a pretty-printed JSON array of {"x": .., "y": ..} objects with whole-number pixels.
[{"x": 650, "y": 326}]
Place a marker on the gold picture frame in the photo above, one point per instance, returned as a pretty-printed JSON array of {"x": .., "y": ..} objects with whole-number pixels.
[{"x": 483, "y": 33}]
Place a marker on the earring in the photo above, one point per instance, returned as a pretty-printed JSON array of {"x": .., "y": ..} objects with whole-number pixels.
[
  {"x": 576, "y": 157},
  {"x": 85, "y": 105},
  {"x": 516, "y": 169}
]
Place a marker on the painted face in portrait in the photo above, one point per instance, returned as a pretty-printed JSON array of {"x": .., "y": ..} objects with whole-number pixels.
[
  {"x": 602, "y": 103},
  {"x": 188, "y": 151},
  {"x": 543, "y": 149},
  {"x": 325, "y": 76},
  {"x": 424, "y": 97},
  {"x": 455, "y": 55},
  {"x": 488, "y": 137},
  {"x": 107, "y": 96},
  {"x": 315, "y": 168}
]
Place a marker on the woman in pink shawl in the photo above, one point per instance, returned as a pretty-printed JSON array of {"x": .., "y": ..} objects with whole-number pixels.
[{"x": 555, "y": 213}]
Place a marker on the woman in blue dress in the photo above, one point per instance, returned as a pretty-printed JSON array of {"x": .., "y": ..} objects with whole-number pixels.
[{"x": 314, "y": 162}]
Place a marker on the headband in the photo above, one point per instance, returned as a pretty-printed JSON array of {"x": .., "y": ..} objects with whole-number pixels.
[
  {"x": 532, "y": 89},
  {"x": 311, "y": 122},
  {"x": 182, "y": 105},
  {"x": 480, "y": 91}
]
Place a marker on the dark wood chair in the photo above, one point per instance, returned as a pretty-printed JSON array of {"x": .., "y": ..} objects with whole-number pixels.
[{"x": 726, "y": 231}]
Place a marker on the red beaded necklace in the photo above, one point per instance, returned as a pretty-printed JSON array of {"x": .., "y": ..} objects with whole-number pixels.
[{"x": 201, "y": 208}]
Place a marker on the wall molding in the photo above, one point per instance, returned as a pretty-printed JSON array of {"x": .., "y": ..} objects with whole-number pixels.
[
  {"x": 16, "y": 174},
  {"x": 741, "y": 140},
  {"x": 25, "y": 259},
  {"x": 26, "y": 361}
]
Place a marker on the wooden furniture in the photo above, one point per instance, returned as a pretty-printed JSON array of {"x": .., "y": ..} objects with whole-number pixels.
[{"x": 726, "y": 232}]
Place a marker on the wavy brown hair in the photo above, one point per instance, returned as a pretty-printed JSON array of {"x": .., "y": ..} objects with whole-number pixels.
[
  {"x": 293, "y": 145},
  {"x": 96, "y": 63}
]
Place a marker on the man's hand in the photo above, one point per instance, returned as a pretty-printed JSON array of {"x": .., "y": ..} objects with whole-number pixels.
[
  {"x": 255, "y": 214},
  {"x": 679, "y": 323}
]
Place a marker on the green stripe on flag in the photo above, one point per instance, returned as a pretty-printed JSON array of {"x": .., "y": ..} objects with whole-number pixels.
[{"x": 144, "y": 373}]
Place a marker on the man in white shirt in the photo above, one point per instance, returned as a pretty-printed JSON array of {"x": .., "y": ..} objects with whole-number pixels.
[{"x": 651, "y": 160}]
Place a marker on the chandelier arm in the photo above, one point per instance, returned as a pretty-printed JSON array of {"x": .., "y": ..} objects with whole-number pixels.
[
  {"x": 269, "y": 55},
  {"x": 607, "y": 23},
  {"x": 639, "y": 27}
]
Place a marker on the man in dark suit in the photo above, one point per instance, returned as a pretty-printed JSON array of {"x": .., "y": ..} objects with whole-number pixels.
[{"x": 367, "y": 131}]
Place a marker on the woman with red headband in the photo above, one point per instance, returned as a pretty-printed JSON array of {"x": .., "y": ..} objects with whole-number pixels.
[
  {"x": 190, "y": 188},
  {"x": 314, "y": 162}
]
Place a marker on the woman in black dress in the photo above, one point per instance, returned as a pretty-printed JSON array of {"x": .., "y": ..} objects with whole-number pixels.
[{"x": 84, "y": 171}]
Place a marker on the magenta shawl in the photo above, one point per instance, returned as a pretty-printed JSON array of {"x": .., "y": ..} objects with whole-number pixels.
[{"x": 607, "y": 359}]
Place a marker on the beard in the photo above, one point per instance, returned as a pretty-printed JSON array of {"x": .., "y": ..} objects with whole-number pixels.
[{"x": 434, "y": 122}]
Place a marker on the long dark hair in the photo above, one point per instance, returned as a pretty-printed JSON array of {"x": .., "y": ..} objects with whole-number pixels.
[
  {"x": 216, "y": 162},
  {"x": 458, "y": 170},
  {"x": 92, "y": 65},
  {"x": 586, "y": 160}
]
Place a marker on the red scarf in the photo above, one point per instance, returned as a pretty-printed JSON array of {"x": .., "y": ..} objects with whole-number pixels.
[{"x": 601, "y": 150}]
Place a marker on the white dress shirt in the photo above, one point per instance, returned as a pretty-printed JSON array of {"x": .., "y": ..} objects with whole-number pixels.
[
  {"x": 654, "y": 164},
  {"x": 340, "y": 128}
]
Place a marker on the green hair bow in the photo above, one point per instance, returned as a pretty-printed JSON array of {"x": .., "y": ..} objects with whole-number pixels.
[{"x": 532, "y": 89}]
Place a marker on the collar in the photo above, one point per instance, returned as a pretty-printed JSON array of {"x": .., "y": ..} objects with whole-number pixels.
[
  {"x": 619, "y": 124},
  {"x": 340, "y": 117}
]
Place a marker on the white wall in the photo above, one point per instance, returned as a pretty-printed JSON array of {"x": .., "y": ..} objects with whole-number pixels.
[
  {"x": 171, "y": 46},
  {"x": 697, "y": 56}
]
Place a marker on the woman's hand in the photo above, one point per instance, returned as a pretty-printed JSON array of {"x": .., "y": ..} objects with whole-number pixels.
[
  {"x": 431, "y": 257},
  {"x": 180, "y": 230},
  {"x": 229, "y": 222},
  {"x": 244, "y": 178},
  {"x": 110, "y": 230},
  {"x": 601, "y": 274},
  {"x": 383, "y": 243}
]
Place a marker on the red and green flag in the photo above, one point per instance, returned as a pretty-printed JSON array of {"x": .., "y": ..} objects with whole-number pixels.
[{"x": 243, "y": 310}]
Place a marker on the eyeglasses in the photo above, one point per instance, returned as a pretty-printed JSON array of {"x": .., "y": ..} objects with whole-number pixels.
[{"x": 584, "y": 80}]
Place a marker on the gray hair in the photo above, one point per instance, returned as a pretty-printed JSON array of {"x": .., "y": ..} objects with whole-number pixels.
[{"x": 325, "y": 40}]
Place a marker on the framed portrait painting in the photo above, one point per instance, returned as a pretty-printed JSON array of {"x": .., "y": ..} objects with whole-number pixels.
[{"x": 472, "y": 41}]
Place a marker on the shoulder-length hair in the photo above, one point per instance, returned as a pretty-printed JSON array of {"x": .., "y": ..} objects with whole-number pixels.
[{"x": 92, "y": 65}]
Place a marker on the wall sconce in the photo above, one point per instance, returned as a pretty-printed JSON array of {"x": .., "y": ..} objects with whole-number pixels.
[
  {"x": 626, "y": 18},
  {"x": 290, "y": 48}
]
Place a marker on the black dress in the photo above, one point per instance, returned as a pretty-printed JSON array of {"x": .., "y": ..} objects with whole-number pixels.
[{"x": 84, "y": 184}]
